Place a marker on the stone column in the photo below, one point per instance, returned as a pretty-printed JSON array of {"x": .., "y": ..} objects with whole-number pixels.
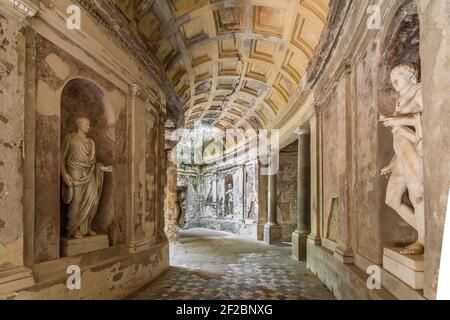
[
  {"x": 171, "y": 207},
  {"x": 300, "y": 236},
  {"x": 262, "y": 205},
  {"x": 315, "y": 124},
  {"x": 272, "y": 230}
]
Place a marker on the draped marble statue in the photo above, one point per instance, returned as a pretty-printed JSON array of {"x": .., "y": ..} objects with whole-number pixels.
[
  {"x": 406, "y": 168},
  {"x": 83, "y": 180}
]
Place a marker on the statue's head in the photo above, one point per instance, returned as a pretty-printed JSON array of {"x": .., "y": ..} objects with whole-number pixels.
[
  {"x": 83, "y": 124},
  {"x": 404, "y": 76}
]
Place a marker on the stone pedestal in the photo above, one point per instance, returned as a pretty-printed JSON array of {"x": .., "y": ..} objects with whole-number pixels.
[
  {"x": 15, "y": 279},
  {"x": 409, "y": 269},
  {"x": 73, "y": 247},
  {"x": 272, "y": 233},
  {"x": 299, "y": 240}
]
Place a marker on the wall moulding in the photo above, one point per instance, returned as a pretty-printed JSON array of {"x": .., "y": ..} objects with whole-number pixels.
[{"x": 26, "y": 8}]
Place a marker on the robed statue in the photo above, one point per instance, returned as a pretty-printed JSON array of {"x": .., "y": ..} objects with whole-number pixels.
[{"x": 83, "y": 180}]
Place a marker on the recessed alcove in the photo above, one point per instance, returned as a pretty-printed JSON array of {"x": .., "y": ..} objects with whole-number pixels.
[
  {"x": 82, "y": 98},
  {"x": 401, "y": 45}
]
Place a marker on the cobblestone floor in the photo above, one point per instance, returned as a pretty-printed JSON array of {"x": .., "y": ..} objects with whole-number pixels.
[{"x": 207, "y": 265}]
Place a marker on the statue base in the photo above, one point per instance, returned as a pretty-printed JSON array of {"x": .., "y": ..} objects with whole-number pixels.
[
  {"x": 72, "y": 247},
  {"x": 409, "y": 269}
]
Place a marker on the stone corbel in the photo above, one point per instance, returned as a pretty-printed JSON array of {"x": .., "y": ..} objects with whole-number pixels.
[{"x": 22, "y": 8}]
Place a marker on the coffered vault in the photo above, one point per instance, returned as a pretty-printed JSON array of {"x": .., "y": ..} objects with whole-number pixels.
[{"x": 231, "y": 64}]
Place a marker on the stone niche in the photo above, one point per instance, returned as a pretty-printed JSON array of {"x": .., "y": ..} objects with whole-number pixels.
[
  {"x": 66, "y": 89},
  {"x": 401, "y": 45},
  {"x": 378, "y": 226},
  {"x": 80, "y": 97}
]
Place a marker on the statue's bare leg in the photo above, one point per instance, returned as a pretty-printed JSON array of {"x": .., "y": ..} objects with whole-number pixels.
[
  {"x": 416, "y": 197},
  {"x": 394, "y": 193}
]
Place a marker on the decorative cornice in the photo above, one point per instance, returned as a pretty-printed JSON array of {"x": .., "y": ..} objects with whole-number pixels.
[
  {"x": 25, "y": 7},
  {"x": 106, "y": 15}
]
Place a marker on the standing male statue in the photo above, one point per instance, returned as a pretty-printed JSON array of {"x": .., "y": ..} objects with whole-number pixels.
[
  {"x": 229, "y": 200},
  {"x": 83, "y": 180},
  {"x": 406, "y": 169}
]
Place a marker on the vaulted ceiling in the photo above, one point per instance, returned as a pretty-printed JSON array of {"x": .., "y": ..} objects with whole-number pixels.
[{"x": 232, "y": 63}]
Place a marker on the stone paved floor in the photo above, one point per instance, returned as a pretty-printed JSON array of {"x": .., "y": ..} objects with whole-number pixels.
[{"x": 214, "y": 265}]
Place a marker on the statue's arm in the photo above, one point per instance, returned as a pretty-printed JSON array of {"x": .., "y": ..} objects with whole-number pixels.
[
  {"x": 388, "y": 169},
  {"x": 391, "y": 164},
  {"x": 406, "y": 121},
  {"x": 409, "y": 121}
]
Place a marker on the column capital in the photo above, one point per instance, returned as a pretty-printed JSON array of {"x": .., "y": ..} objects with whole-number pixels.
[
  {"x": 302, "y": 131},
  {"x": 135, "y": 88}
]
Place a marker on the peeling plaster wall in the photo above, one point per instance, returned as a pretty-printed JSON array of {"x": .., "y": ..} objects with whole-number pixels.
[{"x": 12, "y": 93}]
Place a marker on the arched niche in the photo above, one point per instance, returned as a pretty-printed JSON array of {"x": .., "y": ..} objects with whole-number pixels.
[
  {"x": 400, "y": 45},
  {"x": 82, "y": 98}
]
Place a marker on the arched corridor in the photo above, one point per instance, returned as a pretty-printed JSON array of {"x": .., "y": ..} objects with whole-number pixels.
[
  {"x": 224, "y": 149},
  {"x": 209, "y": 265}
]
